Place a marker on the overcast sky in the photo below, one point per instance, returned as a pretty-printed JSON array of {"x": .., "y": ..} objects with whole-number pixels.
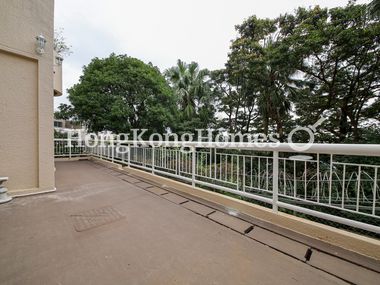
[{"x": 159, "y": 31}]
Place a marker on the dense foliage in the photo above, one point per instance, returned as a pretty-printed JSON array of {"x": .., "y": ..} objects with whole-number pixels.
[
  {"x": 119, "y": 93},
  {"x": 194, "y": 96},
  {"x": 280, "y": 73},
  {"x": 295, "y": 68}
]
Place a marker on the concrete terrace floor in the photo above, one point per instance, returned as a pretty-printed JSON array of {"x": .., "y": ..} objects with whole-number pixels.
[{"x": 98, "y": 228}]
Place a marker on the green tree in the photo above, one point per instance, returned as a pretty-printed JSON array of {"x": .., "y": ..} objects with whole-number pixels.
[
  {"x": 118, "y": 93},
  {"x": 301, "y": 65},
  {"x": 337, "y": 52},
  {"x": 374, "y": 8},
  {"x": 227, "y": 98},
  {"x": 195, "y": 97},
  {"x": 65, "y": 112},
  {"x": 261, "y": 75}
]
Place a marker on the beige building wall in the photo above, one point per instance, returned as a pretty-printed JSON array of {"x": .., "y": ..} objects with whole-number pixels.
[{"x": 26, "y": 96}]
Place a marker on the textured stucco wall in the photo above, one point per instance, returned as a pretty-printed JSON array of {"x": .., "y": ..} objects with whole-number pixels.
[{"x": 26, "y": 95}]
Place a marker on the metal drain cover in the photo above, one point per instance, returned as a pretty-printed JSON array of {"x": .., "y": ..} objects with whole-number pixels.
[{"x": 94, "y": 218}]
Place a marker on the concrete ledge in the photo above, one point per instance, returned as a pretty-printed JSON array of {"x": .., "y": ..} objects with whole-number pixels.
[
  {"x": 230, "y": 222},
  {"x": 75, "y": 158},
  {"x": 280, "y": 243},
  {"x": 343, "y": 269},
  {"x": 174, "y": 198},
  {"x": 355, "y": 243},
  {"x": 106, "y": 163},
  {"x": 29, "y": 192},
  {"x": 198, "y": 208}
]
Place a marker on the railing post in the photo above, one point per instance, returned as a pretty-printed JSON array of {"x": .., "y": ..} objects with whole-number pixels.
[
  {"x": 152, "y": 159},
  {"x": 112, "y": 152},
  {"x": 243, "y": 178},
  {"x": 237, "y": 172},
  {"x": 70, "y": 147},
  {"x": 176, "y": 162},
  {"x": 318, "y": 182},
  {"x": 215, "y": 163},
  {"x": 193, "y": 163},
  {"x": 210, "y": 163},
  {"x": 275, "y": 182},
  {"x": 330, "y": 178},
  {"x": 129, "y": 155}
]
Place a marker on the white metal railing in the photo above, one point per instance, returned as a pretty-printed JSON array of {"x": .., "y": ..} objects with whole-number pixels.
[
  {"x": 334, "y": 182},
  {"x": 69, "y": 148}
]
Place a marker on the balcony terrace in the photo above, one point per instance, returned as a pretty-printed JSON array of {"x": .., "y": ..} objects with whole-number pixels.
[{"x": 108, "y": 224}]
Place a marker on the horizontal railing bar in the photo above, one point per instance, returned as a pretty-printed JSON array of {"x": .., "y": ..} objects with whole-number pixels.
[
  {"x": 338, "y": 149},
  {"x": 337, "y": 219},
  {"x": 332, "y": 206},
  {"x": 356, "y": 164}
]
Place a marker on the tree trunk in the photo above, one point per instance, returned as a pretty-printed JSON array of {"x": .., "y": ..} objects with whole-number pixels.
[
  {"x": 344, "y": 127},
  {"x": 265, "y": 123},
  {"x": 280, "y": 129}
]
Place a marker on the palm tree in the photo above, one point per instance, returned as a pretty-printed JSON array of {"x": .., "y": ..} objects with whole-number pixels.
[{"x": 190, "y": 84}]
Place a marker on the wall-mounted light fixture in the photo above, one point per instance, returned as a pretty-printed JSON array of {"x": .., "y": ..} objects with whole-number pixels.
[
  {"x": 40, "y": 44},
  {"x": 58, "y": 60}
]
